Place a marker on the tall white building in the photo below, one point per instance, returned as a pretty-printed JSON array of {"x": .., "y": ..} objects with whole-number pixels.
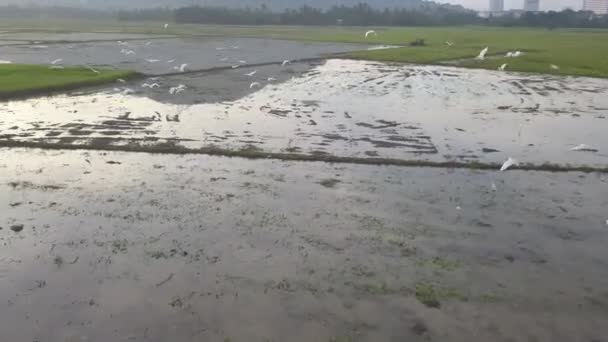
[
  {"x": 497, "y": 5},
  {"x": 531, "y": 5},
  {"x": 596, "y": 6}
]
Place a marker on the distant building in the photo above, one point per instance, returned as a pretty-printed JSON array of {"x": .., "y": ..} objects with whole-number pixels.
[
  {"x": 497, "y": 6},
  {"x": 596, "y": 6},
  {"x": 531, "y": 5}
]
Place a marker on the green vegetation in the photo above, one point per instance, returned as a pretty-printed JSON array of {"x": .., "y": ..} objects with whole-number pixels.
[
  {"x": 21, "y": 79},
  {"x": 431, "y": 295},
  {"x": 441, "y": 263},
  {"x": 575, "y": 51},
  {"x": 105, "y": 144}
]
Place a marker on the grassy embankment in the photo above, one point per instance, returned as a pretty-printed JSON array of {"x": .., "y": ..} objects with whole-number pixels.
[
  {"x": 576, "y": 51},
  {"x": 22, "y": 80}
]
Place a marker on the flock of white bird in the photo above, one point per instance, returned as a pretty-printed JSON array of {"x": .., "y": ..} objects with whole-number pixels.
[{"x": 182, "y": 68}]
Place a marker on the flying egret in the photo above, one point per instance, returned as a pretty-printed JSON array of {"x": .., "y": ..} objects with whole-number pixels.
[
  {"x": 177, "y": 90},
  {"x": 58, "y": 60},
  {"x": 271, "y": 79},
  {"x": 166, "y": 26},
  {"x": 285, "y": 62},
  {"x": 93, "y": 70},
  {"x": 252, "y": 73},
  {"x": 254, "y": 84},
  {"x": 482, "y": 54},
  {"x": 120, "y": 42},
  {"x": 243, "y": 62},
  {"x": 510, "y": 162},
  {"x": 235, "y": 66},
  {"x": 148, "y": 44},
  {"x": 448, "y": 43},
  {"x": 152, "y": 60},
  {"x": 151, "y": 86},
  {"x": 502, "y": 67},
  {"x": 370, "y": 32},
  {"x": 554, "y": 67},
  {"x": 181, "y": 68},
  {"x": 583, "y": 147},
  {"x": 171, "y": 61},
  {"x": 120, "y": 80}
]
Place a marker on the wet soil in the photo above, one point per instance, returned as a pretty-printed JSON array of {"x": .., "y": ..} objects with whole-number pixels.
[{"x": 157, "y": 247}]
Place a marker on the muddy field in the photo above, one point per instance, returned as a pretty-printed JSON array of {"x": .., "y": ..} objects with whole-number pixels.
[
  {"x": 122, "y": 246},
  {"x": 339, "y": 107},
  {"x": 100, "y": 245}
]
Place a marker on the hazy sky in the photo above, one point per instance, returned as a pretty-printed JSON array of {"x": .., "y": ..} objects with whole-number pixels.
[{"x": 544, "y": 4}]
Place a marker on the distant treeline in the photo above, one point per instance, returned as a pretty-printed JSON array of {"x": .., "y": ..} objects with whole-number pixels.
[
  {"x": 552, "y": 19},
  {"x": 359, "y": 15},
  {"x": 425, "y": 14},
  {"x": 18, "y": 12},
  {"x": 365, "y": 15}
]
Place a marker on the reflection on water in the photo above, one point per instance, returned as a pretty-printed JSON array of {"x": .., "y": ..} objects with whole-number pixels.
[{"x": 344, "y": 108}]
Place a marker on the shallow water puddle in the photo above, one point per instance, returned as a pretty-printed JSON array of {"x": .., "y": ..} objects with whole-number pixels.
[{"x": 344, "y": 108}]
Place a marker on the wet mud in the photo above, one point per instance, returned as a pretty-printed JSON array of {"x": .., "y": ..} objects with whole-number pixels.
[{"x": 123, "y": 246}]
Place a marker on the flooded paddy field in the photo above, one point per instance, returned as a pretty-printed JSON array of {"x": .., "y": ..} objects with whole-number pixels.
[
  {"x": 119, "y": 227},
  {"x": 161, "y": 55},
  {"x": 100, "y": 246},
  {"x": 339, "y": 107}
]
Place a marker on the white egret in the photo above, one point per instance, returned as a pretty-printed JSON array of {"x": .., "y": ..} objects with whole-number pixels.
[
  {"x": 254, "y": 84},
  {"x": 583, "y": 147},
  {"x": 152, "y": 60},
  {"x": 482, "y": 54},
  {"x": 370, "y": 32},
  {"x": 554, "y": 67},
  {"x": 252, "y": 73},
  {"x": 58, "y": 60},
  {"x": 177, "y": 90},
  {"x": 181, "y": 68},
  {"x": 502, "y": 67},
  {"x": 271, "y": 79},
  {"x": 285, "y": 62},
  {"x": 448, "y": 43},
  {"x": 510, "y": 162},
  {"x": 166, "y": 26}
]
